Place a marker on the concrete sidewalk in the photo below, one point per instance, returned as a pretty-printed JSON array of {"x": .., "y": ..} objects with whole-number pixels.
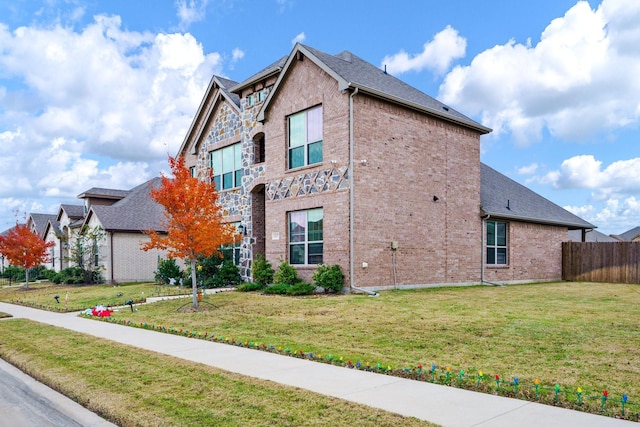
[{"x": 447, "y": 406}]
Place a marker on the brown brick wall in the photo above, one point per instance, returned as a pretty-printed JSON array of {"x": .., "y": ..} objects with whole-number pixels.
[
  {"x": 535, "y": 254},
  {"x": 306, "y": 86},
  {"x": 410, "y": 158}
]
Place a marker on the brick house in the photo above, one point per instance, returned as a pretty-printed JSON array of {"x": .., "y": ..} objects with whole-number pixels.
[
  {"x": 124, "y": 222},
  {"x": 328, "y": 159}
]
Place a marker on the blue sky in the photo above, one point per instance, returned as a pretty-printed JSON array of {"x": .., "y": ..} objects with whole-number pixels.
[{"x": 97, "y": 93}]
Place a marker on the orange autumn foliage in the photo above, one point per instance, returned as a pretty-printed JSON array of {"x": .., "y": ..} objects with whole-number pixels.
[
  {"x": 193, "y": 217},
  {"x": 23, "y": 248}
]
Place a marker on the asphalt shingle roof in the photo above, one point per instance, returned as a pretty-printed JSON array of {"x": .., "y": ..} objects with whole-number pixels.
[
  {"x": 136, "y": 212},
  {"x": 502, "y": 197},
  {"x": 73, "y": 211},
  {"x": 107, "y": 193},
  {"x": 352, "y": 71},
  {"x": 225, "y": 86},
  {"x": 628, "y": 236},
  {"x": 40, "y": 221}
]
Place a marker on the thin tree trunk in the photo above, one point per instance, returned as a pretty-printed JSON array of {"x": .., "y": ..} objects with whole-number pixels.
[{"x": 194, "y": 284}]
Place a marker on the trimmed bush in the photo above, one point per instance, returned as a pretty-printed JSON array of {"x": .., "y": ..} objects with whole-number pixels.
[
  {"x": 167, "y": 269},
  {"x": 329, "y": 277},
  {"x": 279, "y": 289},
  {"x": 261, "y": 270},
  {"x": 301, "y": 288},
  {"x": 286, "y": 274},
  {"x": 250, "y": 287}
]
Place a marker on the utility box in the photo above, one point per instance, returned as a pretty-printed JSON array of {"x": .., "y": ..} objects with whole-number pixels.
[{"x": 394, "y": 245}]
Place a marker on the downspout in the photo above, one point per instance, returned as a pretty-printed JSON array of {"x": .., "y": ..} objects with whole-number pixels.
[
  {"x": 483, "y": 222},
  {"x": 111, "y": 256},
  {"x": 351, "y": 203}
]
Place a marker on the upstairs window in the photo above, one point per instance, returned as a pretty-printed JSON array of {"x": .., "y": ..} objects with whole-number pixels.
[
  {"x": 305, "y": 138},
  {"x": 305, "y": 237},
  {"x": 227, "y": 167},
  {"x": 496, "y": 243}
]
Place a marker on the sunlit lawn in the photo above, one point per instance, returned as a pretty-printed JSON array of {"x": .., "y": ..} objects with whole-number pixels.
[
  {"x": 80, "y": 297},
  {"x": 572, "y": 334},
  {"x": 133, "y": 387}
]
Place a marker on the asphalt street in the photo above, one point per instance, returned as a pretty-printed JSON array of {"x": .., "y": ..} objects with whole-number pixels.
[{"x": 25, "y": 402}]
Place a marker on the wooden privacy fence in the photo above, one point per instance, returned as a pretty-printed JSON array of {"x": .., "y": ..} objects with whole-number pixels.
[{"x": 613, "y": 262}]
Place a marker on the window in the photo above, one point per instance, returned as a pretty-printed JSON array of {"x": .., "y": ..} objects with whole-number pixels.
[
  {"x": 227, "y": 167},
  {"x": 496, "y": 243},
  {"x": 232, "y": 251},
  {"x": 194, "y": 174},
  {"x": 305, "y": 237},
  {"x": 305, "y": 138}
]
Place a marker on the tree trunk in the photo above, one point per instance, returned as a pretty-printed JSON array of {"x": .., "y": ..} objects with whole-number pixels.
[
  {"x": 26, "y": 276},
  {"x": 194, "y": 284}
]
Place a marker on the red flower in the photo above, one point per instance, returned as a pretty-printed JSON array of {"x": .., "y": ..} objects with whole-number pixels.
[
  {"x": 497, "y": 377},
  {"x": 605, "y": 393}
]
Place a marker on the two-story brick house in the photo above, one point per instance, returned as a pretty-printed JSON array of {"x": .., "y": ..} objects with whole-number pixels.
[{"x": 329, "y": 159}]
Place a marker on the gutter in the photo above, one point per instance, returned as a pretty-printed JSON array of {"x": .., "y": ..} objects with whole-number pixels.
[{"x": 351, "y": 204}]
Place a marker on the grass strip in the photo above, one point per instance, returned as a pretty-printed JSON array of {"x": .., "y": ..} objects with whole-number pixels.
[{"x": 133, "y": 387}]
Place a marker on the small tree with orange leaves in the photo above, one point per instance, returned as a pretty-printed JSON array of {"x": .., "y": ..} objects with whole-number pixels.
[
  {"x": 23, "y": 248},
  {"x": 193, "y": 219}
]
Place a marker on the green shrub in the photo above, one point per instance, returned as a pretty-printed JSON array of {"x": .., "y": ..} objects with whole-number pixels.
[
  {"x": 279, "y": 289},
  {"x": 301, "y": 288},
  {"x": 261, "y": 270},
  {"x": 329, "y": 277},
  {"x": 286, "y": 274},
  {"x": 167, "y": 269},
  {"x": 250, "y": 287},
  {"x": 228, "y": 275}
]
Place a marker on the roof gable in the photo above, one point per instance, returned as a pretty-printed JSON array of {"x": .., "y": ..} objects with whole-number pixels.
[
  {"x": 630, "y": 235},
  {"x": 217, "y": 91},
  {"x": 352, "y": 72},
  {"x": 502, "y": 197},
  {"x": 137, "y": 212},
  {"x": 73, "y": 212}
]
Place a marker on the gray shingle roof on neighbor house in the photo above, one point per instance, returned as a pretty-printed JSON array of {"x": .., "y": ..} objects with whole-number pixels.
[
  {"x": 40, "y": 221},
  {"x": 591, "y": 236},
  {"x": 137, "y": 212},
  {"x": 353, "y": 72},
  {"x": 104, "y": 193},
  {"x": 73, "y": 211},
  {"x": 628, "y": 236},
  {"x": 502, "y": 197}
]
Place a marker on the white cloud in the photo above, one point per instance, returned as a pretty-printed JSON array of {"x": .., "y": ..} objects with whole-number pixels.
[
  {"x": 437, "y": 54},
  {"x": 300, "y": 38},
  {"x": 585, "y": 172},
  {"x": 584, "y": 59},
  {"x": 190, "y": 11},
  {"x": 616, "y": 216},
  {"x": 528, "y": 170},
  {"x": 101, "y": 106}
]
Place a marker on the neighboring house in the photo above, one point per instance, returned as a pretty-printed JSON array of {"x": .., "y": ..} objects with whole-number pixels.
[
  {"x": 632, "y": 235},
  {"x": 124, "y": 223},
  {"x": 328, "y": 159},
  {"x": 591, "y": 236},
  {"x": 61, "y": 230},
  {"x": 37, "y": 222}
]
